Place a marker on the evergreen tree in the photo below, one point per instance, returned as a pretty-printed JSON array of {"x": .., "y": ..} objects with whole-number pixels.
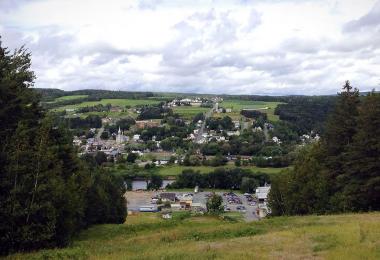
[
  {"x": 340, "y": 130},
  {"x": 362, "y": 169}
]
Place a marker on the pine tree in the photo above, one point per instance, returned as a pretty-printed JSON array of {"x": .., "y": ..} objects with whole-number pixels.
[
  {"x": 340, "y": 130},
  {"x": 362, "y": 170}
]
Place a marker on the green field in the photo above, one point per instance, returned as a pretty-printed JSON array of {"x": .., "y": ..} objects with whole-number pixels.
[
  {"x": 72, "y": 97},
  {"x": 238, "y": 105},
  {"x": 177, "y": 169},
  {"x": 147, "y": 236},
  {"x": 114, "y": 102},
  {"x": 189, "y": 112}
]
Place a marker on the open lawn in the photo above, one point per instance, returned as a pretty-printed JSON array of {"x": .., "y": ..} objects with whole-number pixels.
[
  {"x": 238, "y": 105},
  {"x": 147, "y": 236},
  {"x": 188, "y": 112},
  {"x": 114, "y": 102},
  {"x": 177, "y": 169}
]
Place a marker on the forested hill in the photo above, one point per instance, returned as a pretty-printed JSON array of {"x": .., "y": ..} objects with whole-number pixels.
[{"x": 92, "y": 94}]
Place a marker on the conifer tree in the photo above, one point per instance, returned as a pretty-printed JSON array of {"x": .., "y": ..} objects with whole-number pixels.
[
  {"x": 362, "y": 169},
  {"x": 340, "y": 130}
]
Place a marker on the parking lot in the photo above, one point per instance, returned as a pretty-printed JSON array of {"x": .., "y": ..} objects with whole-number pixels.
[{"x": 232, "y": 201}]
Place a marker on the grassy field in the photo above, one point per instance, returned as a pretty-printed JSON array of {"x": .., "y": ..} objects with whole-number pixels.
[
  {"x": 238, "y": 105},
  {"x": 72, "y": 97},
  {"x": 147, "y": 236},
  {"x": 114, "y": 102},
  {"x": 188, "y": 112},
  {"x": 177, "y": 169}
]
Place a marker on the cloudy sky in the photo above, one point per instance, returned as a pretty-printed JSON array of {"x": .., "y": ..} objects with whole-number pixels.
[{"x": 235, "y": 47}]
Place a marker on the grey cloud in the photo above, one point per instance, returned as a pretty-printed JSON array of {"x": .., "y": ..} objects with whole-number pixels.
[{"x": 371, "y": 19}]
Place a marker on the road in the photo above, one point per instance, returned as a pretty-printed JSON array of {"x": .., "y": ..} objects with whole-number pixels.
[
  {"x": 100, "y": 131},
  {"x": 199, "y": 137},
  {"x": 266, "y": 134}
]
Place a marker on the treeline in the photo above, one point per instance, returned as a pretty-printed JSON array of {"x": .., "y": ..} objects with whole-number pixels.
[
  {"x": 47, "y": 194},
  {"x": 341, "y": 173},
  {"x": 305, "y": 113},
  {"x": 256, "y": 114},
  {"x": 91, "y": 121},
  {"x": 216, "y": 123},
  {"x": 152, "y": 112},
  {"x": 221, "y": 178}
]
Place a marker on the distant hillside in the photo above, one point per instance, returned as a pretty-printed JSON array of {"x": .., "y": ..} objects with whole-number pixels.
[{"x": 147, "y": 236}]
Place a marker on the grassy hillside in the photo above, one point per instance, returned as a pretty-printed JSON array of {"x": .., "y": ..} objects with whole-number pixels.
[
  {"x": 238, "y": 105},
  {"x": 189, "y": 112},
  {"x": 72, "y": 97},
  {"x": 115, "y": 102},
  {"x": 146, "y": 236}
]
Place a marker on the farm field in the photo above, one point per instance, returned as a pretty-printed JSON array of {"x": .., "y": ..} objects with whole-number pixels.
[
  {"x": 177, "y": 169},
  {"x": 238, "y": 105},
  {"x": 147, "y": 236},
  {"x": 115, "y": 102},
  {"x": 72, "y": 97},
  {"x": 188, "y": 112}
]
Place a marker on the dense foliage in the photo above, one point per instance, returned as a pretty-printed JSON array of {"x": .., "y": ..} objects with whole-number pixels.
[
  {"x": 306, "y": 113},
  {"x": 47, "y": 194},
  {"x": 342, "y": 172},
  {"x": 220, "y": 178}
]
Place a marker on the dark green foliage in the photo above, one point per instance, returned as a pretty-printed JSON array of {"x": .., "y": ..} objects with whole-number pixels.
[
  {"x": 131, "y": 158},
  {"x": 362, "y": 168},
  {"x": 43, "y": 184},
  {"x": 340, "y": 130},
  {"x": 341, "y": 173},
  {"x": 152, "y": 112},
  {"x": 256, "y": 114},
  {"x": 215, "y": 204},
  {"x": 249, "y": 184},
  {"x": 155, "y": 182},
  {"x": 91, "y": 121},
  {"x": 105, "y": 201},
  {"x": 220, "y": 178},
  {"x": 224, "y": 123},
  {"x": 306, "y": 114},
  {"x": 302, "y": 190}
]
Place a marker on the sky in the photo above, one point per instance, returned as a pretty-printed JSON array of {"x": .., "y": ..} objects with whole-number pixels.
[{"x": 262, "y": 47}]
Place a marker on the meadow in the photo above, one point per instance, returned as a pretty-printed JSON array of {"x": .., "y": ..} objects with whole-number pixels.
[
  {"x": 238, "y": 105},
  {"x": 188, "y": 112},
  {"x": 114, "y": 102},
  {"x": 148, "y": 236},
  {"x": 72, "y": 97}
]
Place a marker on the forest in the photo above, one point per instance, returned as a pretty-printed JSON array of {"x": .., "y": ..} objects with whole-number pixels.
[
  {"x": 341, "y": 173},
  {"x": 47, "y": 193}
]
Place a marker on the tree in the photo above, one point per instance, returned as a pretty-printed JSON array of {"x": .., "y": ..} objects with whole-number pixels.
[
  {"x": 302, "y": 190},
  {"x": 155, "y": 182},
  {"x": 215, "y": 204},
  {"x": 248, "y": 184},
  {"x": 131, "y": 158},
  {"x": 362, "y": 169},
  {"x": 340, "y": 130},
  {"x": 43, "y": 184},
  {"x": 100, "y": 158}
]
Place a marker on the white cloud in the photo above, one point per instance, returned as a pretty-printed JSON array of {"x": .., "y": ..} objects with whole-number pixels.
[{"x": 250, "y": 47}]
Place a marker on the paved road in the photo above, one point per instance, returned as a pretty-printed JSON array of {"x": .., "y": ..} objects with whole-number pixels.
[{"x": 199, "y": 137}]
